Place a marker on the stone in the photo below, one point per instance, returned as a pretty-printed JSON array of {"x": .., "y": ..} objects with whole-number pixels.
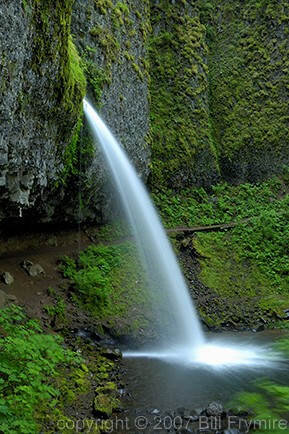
[
  {"x": 184, "y": 430},
  {"x": 25, "y": 264},
  {"x": 12, "y": 298},
  {"x": 3, "y": 159},
  {"x": 7, "y": 278},
  {"x": 155, "y": 411},
  {"x": 33, "y": 270},
  {"x": 232, "y": 431},
  {"x": 214, "y": 409},
  {"x": 2, "y": 298},
  {"x": 112, "y": 354},
  {"x": 258, "y": 328},
  {"x": 186, "y": 242},
  {"x": 180, "y": 411},
  {"x": 2, "y": 181},
  {"x": 191, "y": 416},
  {"x": 103, "y": 406}
]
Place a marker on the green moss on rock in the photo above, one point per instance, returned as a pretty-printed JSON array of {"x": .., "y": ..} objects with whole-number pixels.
[
  {"x": 182, "y": 149},
  {"x": 219, "y": 91},
  {"x": 54, "y": 50},
  {"x": 248, "y": 74}
]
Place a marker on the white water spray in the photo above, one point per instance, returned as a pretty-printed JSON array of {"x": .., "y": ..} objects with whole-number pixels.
[
  {"x": 155, "y": 249},
  {"x": 182, "y": 339}
]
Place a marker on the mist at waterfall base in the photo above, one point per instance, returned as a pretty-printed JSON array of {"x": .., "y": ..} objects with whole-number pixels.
[{"x": 181, "y": 339}]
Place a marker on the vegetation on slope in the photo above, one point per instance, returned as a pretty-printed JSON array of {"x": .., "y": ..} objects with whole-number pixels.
[
  {"x": 108, "y": 281},
  {"x": 247, "y": 265},
  {"x": 268, "y": 404},
  {"x": 31, "y": 368},
  {"x": 47, "y": 387}
]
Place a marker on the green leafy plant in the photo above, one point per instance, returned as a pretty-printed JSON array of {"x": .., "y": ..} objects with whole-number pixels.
[
  {"x": 57, "y": 310},
  {"x": 109, "y": 282},
  {"x": 246, "y": 267},
  {"x": 30, "y": 361},
  {"x": 91, "y": 274},
  {"x": 269, "y": 403}
]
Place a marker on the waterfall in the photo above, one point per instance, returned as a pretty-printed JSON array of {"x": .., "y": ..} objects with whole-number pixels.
[
  {"x": 181, "y": 336},
  {"x": 182, "y": 326}
]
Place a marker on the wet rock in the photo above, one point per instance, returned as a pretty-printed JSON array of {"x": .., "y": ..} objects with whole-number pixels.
[
  {"x": 191, "y": 416},
  {"x": 11, "y": 298},
  {"x": 238, "y": 411},
  {"x": 87, "y": 334},
  {"x": 7, "y": 278},
  {"x": 155, "y": 411},
  {"x": 214, "y": 409},
  {"x": 112, "y": 354},
  {"x": 33, "y": 270},
  {"x": 258, "y": 328},
  {"x": 103, "y": 406},
  {"x": 180, "y": 411},
  {"x": 6, "y": 298},
  {"x": 185, "y": 430},
  {"x": 232, "y": 431},
  {"x": 199, "y": 411}
]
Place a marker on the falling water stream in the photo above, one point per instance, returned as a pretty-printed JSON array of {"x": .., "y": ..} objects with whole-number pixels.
[{"x": 181, "y": 337}]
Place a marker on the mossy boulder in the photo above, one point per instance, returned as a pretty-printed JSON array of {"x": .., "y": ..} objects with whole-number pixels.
[
  {"x": 106, "y": 400},
  {"x": 104, "y": 405}
]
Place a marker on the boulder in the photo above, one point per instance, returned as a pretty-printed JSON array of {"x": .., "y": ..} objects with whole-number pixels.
[
  {"x": 104, "y": 405},
  {"x": 214, "y": 409},
  {"x": 32, "y": 269},
  {"x": 7, "y": 278},
  {"x": 112, "y": 354},
  {"x": 6, "y": 298},
  {"x": 35, "y": 269}
]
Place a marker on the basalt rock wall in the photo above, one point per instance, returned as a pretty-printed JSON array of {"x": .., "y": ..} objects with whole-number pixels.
[
  {"x": 40, "y": 100},
  {"x": 195, "y": 91}
]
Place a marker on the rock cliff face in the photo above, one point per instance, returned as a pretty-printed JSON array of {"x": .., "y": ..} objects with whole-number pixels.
[
  {"x": 182, "y": 145},
  {"x": 44, "y": 164},
  {"x": 249, "y": 86},
  {"x": 200, "y": 87},
  {"x": 40, "y": 101},
  {"x": 111, "y": 38},
  {"x": 219, "y": 91}
]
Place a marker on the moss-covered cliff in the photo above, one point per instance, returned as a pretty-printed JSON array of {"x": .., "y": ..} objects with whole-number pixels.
[
  {"x": 200, "y": 85},
  {"x": 182, "y": 147},
  {"x": 249, "y": 85},
  {"x": 41, "y": 88},
  {"x": 112, "y": 41},
  {"x": 219, "y": 91}
]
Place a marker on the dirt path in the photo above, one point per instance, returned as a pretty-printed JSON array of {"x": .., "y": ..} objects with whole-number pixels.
[{"x": 45, "y": 249}]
